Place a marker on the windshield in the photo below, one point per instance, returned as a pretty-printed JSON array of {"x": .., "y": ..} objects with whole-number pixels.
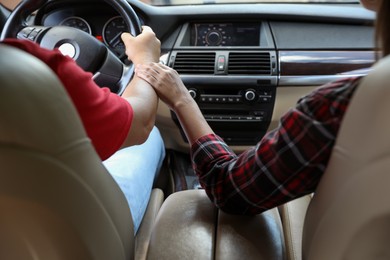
[{"x": 200, "y": 2}]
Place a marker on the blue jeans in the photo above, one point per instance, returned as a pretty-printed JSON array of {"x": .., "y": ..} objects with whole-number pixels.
[{"x": 135, "y": 169}]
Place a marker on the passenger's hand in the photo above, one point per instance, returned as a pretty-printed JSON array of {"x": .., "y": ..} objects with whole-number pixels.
[
  {"x": 167, "y": 84},
  {"x": 171, "y": 90},
  {"x": 143, "y": 48}
]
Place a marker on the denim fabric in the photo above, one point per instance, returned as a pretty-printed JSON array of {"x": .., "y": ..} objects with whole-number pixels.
[{"x": 135, "y": 169}]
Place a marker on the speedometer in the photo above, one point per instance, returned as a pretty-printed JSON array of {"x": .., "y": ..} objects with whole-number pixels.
[
  {"x": 77, "y": 22},
  {"x": 112, "y": 32}
]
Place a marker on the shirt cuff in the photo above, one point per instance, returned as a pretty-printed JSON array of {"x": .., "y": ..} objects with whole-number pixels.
[{"x": 209, "y": 147}]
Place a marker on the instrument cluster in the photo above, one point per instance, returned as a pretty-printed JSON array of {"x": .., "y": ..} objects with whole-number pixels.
[
  {"x": 99, "y": 20},
  {"x": 110, "y": 33}
]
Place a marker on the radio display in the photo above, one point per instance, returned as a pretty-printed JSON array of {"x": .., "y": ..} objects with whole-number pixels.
[{"x": 225, "y": 34}]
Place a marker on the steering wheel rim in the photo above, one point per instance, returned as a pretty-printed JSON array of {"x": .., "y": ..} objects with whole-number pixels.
[{"x": 105, "y": 74}]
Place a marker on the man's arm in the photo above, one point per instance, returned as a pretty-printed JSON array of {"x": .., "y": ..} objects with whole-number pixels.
[{"x": 141, "y": 49}]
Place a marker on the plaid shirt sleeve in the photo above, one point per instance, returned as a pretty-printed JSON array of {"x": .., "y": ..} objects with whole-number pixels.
[{"x": 286, "y": 164}]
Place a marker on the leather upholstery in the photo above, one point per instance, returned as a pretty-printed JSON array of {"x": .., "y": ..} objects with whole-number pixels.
[
  {"x": 145, "y": 230},
  {"x": 184, "y": 228},
  {"x": 349, "y": 216},
  {"x": 257, "y": 237},
  {"x": 57, "y": 200},
  {"x": 189, "y": 226},
  {"x": 293, "y": 216},
  {"x": 49, "y": 165}
]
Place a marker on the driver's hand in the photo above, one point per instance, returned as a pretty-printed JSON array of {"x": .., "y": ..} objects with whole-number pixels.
[{"x": 143, "y": 48}]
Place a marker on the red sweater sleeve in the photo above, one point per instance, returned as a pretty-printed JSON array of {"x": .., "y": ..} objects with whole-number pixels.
[{"x": 106, "y": 116}]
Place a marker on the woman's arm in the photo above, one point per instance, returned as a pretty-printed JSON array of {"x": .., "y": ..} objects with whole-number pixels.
[{"x": 287, "y": 163}]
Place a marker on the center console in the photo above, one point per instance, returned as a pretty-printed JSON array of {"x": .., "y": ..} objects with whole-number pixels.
[{"x": 230, "y": 69}]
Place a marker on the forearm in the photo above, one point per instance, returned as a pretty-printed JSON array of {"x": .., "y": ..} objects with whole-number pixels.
[
  {"x": 192, "y": 120},
  {"x": 143, "y": 48},
  {"x": 215, "y": 164},
  {"x": 225, "y": 177},
  {"x": 144, "y": 102}
]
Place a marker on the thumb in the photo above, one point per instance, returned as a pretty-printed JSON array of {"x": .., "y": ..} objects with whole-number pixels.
[{"x": 126, "y": 37}]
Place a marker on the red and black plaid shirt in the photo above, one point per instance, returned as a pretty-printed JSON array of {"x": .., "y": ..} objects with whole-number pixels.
[{"x": 286, "y": 164}]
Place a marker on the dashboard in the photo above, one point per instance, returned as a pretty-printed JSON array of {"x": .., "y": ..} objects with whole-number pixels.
[
  {"x": 103, "y": 23},
  {"x": 244, "y": 65}
]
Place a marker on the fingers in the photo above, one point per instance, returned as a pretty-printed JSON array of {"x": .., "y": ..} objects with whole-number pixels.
[
  {"x": 148, "y": 74},
  {"x": 163, "y": 76},
  {"x": 158, "y": 67},
  {"x": 128, "y": 38},
  {"x": 157, "y": 75},
  {"x": 146, "y": 28},
  {"x": 158, "y": 71},
  {"x": 151, "y": 68}
]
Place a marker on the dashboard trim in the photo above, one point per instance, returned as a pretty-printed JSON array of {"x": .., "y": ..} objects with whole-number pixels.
[
  {"x": 315, "y": 80},
  {"x": 296, "y": 63},
  {"x": 313, "y": 68}
]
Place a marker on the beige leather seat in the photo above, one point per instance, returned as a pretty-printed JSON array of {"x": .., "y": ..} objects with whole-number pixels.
[
  {"x": 57, "y": 201},
  {"x": 292, "y": 215},
  {"x": 349, "y": 215}
]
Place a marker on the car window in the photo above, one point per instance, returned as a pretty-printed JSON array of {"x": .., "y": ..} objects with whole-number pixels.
[
  {"x": 12, "y": 3},
  {"x": 200, "y": 2}
]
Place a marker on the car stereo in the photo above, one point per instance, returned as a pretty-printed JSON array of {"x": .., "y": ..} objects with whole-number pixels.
[
  {"x": 225, "y": 34},
  {"x": 231, "y": 71},
  {"x": 239, "y": 114}
]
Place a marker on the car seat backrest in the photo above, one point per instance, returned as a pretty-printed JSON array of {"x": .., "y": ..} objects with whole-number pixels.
[
  {"x": 349, "y": 215},
  {"x": 57, "y": 201}
]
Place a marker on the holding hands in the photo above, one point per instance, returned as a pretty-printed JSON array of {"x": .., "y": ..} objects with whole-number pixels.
[
  {"x": 167, "y": 84},
  {"x": 171, "y": 90}
]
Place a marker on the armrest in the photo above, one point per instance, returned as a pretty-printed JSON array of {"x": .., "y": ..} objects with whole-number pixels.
[
  {"x": 189, "y": 226},
  {"x": 184, "y": 228},
  {"x": 250, "y": 237}
]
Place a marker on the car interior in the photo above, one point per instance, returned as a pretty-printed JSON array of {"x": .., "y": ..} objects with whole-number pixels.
[{"x": 245, "y": 64}]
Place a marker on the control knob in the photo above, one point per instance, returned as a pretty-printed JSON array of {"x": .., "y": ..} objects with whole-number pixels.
[
  {"x": 214, "y": 38},
  {"x": 250, "y": 95},
  {"x": 193, "y": 93}
]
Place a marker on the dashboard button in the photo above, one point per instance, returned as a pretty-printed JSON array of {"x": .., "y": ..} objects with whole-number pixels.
[
  {"x": 250, "y": 95},
  {"x": 221, "y": 63},
  {"x": 193, "y": 93}
]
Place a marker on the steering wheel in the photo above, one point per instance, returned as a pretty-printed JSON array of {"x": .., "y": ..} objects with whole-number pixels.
[{"x": 89, "y": 53}]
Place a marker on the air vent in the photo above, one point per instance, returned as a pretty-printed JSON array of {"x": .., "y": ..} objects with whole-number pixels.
[
  {"x": 194, "y": 62},
  {"x": 258, "y": 63}
]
